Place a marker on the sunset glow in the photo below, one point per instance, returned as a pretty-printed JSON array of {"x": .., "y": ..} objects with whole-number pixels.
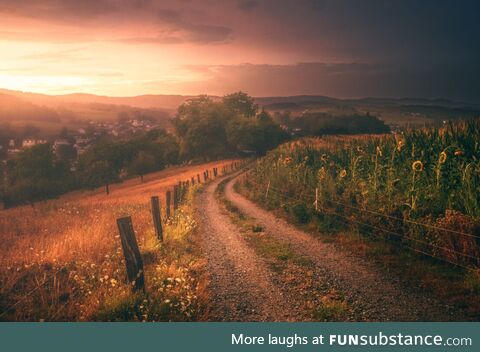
[{"x": 264, "y": 47}]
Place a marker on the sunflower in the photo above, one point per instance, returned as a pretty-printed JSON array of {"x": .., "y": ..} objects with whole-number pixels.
[
  {"x": 442, "y": 157},
  {"x": 400, "y": 144},
  {"x": 322, "y": 173},
  {"x": 417, "y": 166},
  {"x": 343, "y": 173}
]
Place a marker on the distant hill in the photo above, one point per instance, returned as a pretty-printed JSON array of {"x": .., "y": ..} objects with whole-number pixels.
[
  {"x": 63, "y": 109},
  {"x": 49, "y": 114}
]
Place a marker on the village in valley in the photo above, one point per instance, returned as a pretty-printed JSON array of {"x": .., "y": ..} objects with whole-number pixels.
[{"x": 69, "y": 144}]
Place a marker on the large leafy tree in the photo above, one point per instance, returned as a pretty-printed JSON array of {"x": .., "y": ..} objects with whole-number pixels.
[
  {"x": 35, "y": 174},
  {"x": 240, "y": 103},
  {"x": 200, "y": 126}
]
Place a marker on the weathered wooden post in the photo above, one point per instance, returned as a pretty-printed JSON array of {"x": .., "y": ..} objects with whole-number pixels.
[
  {"x": 204, "y": 176},
  {"x": 193, "y": 181},
  {"x": 316, "y": 199},
  {"x": 168, "y": 197},
  {"x": 133, "y": 259},
  {"x": 198, "y": 178},
  {"x": 157, "y": 219},
  {"x": 175, "y": 197},
  {"x": 268, "y": 189}
]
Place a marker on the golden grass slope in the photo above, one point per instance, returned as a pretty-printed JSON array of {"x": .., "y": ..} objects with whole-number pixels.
[{"x": 62, "y": 259}]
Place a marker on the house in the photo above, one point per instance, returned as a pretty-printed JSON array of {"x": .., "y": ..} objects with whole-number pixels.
[{"x": 28, "y": 143}]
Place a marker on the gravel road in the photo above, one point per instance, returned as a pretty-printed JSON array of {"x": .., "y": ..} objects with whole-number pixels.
[
  {"x": 241, "y": 285},
  {"x": 373, "y": 295}
]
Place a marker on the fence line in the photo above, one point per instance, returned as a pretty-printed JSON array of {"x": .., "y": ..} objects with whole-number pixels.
[
  {"x": 348, "y": 221},
  {"x": 179, "y": 194}
]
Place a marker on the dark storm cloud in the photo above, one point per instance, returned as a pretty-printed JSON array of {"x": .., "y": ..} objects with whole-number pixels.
[
  {"x": 247, "y": 5},
  {"x": 408, "y": 47},
  {"x": 343, "y": 80}
]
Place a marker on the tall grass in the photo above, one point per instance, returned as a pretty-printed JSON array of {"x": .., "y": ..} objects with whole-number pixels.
[
  {"x": 389, "y": 186},
  {"x": 62, "y": 260}
]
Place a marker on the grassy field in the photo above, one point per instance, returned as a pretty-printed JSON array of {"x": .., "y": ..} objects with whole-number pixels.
[
  {"x": 411, "y": 200},
  {"x": 62, "y": 260}
]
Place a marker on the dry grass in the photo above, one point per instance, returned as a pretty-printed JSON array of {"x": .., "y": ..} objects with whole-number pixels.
[{"x": 62, "y": 259}]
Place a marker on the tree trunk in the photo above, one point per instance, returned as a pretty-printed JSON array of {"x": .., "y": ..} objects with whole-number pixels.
[{"x": 107, "y": 188}]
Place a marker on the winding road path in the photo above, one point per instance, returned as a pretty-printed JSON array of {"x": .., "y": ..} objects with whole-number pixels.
[{"x": 242, "y": 286}]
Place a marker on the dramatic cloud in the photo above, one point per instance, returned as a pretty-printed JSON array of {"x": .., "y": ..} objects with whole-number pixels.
[{"x": 343, "y": 48}]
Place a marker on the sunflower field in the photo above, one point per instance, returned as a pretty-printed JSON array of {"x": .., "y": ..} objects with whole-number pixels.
[{"x": 419, "y": 189}]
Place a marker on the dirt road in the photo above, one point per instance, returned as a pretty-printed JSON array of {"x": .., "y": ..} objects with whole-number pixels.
[
  {"x": 372, "y": 295},
  {"x": 240, "y": 283}
]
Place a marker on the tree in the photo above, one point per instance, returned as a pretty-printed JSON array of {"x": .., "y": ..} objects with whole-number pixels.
[
  {"x": 142, "y": 164},
  {"x": 240, "y": 103},
  {"x": 100, "y": 172},
  {"x": 35, "y": 174},
  {"x": 101, "y": 165},
  {"x": 200, "y": 127},
  {"x": 255, "y": 135}
]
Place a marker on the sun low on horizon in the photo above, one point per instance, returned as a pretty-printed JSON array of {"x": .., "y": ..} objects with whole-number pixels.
[{"x": 126, "y": 48}]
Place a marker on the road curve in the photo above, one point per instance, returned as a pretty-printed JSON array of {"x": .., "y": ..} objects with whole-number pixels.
[
  {"x": 240, "y": 283},
  {"x": 373, "y": 295}
]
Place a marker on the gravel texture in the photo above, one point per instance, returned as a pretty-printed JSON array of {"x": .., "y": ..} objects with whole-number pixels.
[
  {"x": 372, "y": 295},
  {"x": 241, "y": 284}
]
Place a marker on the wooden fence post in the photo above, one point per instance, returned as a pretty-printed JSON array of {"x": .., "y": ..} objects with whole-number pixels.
[
  {"x": 193, "y": 181},
  {"x": 268, "y": 189},
  {"x": 316, "y": 199},
  {"x": 133, "y": 259},
  {"x": 168, "y": 197},
  {"x": 157, "y": 219},
  {"x": 198, "y": 178},
  {"x": 175, "y": 197},
  {"x": 204, "y": 176}
]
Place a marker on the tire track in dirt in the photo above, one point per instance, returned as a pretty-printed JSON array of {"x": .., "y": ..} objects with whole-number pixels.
[
  {"x": 372, "y": 295},
  {"x": 240, "y": 283}
]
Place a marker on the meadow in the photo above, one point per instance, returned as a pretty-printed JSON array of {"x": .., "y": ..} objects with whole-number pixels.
[{"x": 61, "y": 260}]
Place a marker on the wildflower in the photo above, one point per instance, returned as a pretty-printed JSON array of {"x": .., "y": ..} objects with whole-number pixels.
[
  {"x": 322, "y": 173},
  {"x": 458, "y": 153},
  {"x": 400, "y": 145},
  {"x": 442, "y": 158},
  {"x": 324, "y": 157},
  {"x": 417, "y": 166},
  {"x": 343, "y": 173}
]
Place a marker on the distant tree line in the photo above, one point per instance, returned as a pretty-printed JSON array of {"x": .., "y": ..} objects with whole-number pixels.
[
  {"x": 319, "y": 124},
  {"x": 203, "y": 129}
]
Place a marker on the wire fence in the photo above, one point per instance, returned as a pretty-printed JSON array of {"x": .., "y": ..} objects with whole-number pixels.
[{"x": 337, "y": 209}]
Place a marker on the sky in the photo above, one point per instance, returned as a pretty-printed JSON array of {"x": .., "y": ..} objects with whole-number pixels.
[{"x": 339, "y": 48}]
